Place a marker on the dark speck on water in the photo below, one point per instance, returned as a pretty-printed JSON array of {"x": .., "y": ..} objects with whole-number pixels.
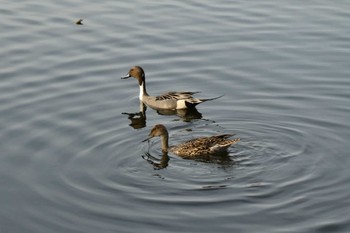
[{"x": 79, "y": 22}]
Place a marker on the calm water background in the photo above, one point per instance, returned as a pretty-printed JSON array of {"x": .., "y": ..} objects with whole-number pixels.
[{"x": 71, "y": 161}]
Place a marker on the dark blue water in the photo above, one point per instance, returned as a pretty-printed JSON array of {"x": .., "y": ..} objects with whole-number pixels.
[{"x": 71, "y": 129}]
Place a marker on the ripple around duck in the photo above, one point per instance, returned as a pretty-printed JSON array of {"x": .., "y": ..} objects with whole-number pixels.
[
  {"x": 260, "y": 153},
  {"x": 253, "y": 153}
]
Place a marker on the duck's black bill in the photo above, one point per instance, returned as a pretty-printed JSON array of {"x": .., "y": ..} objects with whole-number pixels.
[
  {"x": 126, "y": 76},
  {"x": 147, "y": 139}
]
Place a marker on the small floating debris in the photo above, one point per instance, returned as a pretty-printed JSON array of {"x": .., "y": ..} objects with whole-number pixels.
[{"x": 79, "y": 22}]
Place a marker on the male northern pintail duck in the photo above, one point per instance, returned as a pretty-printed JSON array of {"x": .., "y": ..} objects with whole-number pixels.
[
  {"x": 193, "y": 148},
  {"x": 169, "y": 100}
]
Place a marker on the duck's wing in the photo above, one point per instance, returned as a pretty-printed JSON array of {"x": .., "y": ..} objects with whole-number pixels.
[
  {"x": 172, "y": 95},
  {"x": 207, "y": 142},
  {"x": 212, "y": 140},
  {"x": 215, "y": 143},
  {"x": 204, "y": 146}
]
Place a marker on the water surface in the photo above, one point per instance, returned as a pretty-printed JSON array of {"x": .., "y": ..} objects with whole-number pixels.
[{"x": 71, "y": 159}]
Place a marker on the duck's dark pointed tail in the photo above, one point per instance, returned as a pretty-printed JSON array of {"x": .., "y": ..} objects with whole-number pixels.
[
  {"x": 204, "y": 100},
  {"x": 194, "y": 101}
]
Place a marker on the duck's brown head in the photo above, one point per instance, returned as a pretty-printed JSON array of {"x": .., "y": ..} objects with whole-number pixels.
[
  {"x": 136, "y": 72},
  {"x": 157, "y": 131}
]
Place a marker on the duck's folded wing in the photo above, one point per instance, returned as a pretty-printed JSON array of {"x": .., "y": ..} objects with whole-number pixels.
[{"x": 172, "y": 95}]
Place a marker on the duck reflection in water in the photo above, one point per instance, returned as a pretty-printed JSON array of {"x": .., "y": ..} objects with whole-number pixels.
[
  {"x": 160, "y": 163},
  {"x": 138, "y": 119},
  {"x": 187, "y": 114},
  {"x": 155, "y": 162}
]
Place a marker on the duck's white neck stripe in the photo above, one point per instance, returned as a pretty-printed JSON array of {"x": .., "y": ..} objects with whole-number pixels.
[{"x": 142, "y": 93}]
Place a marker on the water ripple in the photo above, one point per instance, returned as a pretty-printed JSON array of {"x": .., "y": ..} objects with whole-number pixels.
[{"x": 71, "y": 162}]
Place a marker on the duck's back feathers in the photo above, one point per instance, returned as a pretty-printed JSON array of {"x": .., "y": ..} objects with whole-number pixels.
[
  {"x": 173, "y": 95},
  {"x": 204, "y": 146},
  {"x": 181, "y": 100}
]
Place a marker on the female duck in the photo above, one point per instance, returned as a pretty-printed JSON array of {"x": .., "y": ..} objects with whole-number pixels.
[
  {"x": 196, "y": 147},
  {"x": 169, "y": 100}
]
